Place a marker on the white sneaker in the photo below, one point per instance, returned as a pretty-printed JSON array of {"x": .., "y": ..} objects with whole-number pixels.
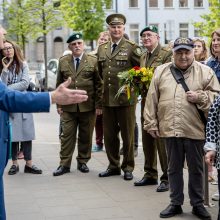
[{"x": 215, "y": 196}]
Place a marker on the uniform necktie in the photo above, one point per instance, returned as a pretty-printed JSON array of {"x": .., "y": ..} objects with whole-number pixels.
[
  {"x": 149, "y": 55},
  {"x": 113, "y": 47},
  {"x": 77, "y": 63}
]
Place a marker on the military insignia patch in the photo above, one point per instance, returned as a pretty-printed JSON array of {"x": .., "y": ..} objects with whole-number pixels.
[{"x": 138, "y": 51}]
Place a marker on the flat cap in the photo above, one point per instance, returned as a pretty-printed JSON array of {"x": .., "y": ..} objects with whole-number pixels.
[
  {"x": 116, "y": 19},
  {"x": 152, "y": 28},
  {"x": 74, "y": 36},
  {"x": 183, "y": 43}
]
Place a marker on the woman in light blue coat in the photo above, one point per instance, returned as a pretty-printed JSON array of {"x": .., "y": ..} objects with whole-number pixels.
[{"x": 14, "y": 73}]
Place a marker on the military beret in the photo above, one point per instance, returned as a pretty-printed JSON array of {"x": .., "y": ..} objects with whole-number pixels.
[
  {"x": 116, "y": 19},
  {"x": 183, "y": 43},
  {"x": 73, "y": 37},
  {"x": 150, "y": 28}
]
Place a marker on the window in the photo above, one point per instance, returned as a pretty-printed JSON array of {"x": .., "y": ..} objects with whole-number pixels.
[
  {"x": 184, "y": 32},
  {"x": 153, "y": 3},
  {"x": 169, "y": 27},
  {"x": 198, "y": 3},
  {"x": 109, "y": 6},
  {"x": 58, "y": 47},
  {"x": 168, "y": 3},
  {"x": 133, "y": 3},
  {"x": 134, "y": 32},
  {"x": 183, "y": 3}
]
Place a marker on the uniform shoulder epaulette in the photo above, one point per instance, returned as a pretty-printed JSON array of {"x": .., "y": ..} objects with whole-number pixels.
[
  {"x": 104, "y": 43},
  {"x": 63, "y": 56},
  {"x": 92, "y": 55},
  {"x": 130, "y": 41},
  {"x": 166, "y": 48}
]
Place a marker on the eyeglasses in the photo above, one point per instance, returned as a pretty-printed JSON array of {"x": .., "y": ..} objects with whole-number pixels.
[
  {"x": 148, "y": 35},
  {"x": 7, "y": 48}
]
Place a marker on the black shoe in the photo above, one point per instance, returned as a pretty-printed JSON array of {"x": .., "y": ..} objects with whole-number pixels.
[
  {"x": 110, "y": 172},
  {"x": 61, "y": 170},
  {"x": 201, "y": 212},
  {"x": 82, "y": 167},
  {"x": 146, "y": 181},
  {"x": 33, "y": 169},
  {"x": 128, "y": 175},
  {"x": 171, "y": 211},
  {"x": 13, "y": 170},
  {"x": 164, "y": 186}
]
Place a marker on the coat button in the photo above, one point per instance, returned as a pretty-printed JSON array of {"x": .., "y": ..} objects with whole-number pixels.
[
  {"x": 6, "y": 140},
  {"x": 109, "y": 84}
]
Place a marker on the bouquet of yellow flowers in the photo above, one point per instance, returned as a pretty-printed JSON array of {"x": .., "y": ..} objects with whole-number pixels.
[{"x": 135, "y": 80}]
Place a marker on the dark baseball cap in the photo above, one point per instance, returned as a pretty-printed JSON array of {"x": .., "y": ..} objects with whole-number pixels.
[{"x": 183, "y": 43}]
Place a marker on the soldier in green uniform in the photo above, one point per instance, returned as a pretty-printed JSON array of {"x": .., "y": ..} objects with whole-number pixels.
[
  {"x": 155, "y": 55},
  {"x": 115, "y": 56},
  {"x": 83, "y": 70}
]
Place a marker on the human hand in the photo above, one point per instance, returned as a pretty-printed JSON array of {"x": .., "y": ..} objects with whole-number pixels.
[
  {"x": 209, "y": 157},
  {"x": 64, "y": 96},
  {"x": 192, "y": 96},
  {"x": 6, "y": 62},
  {"x": 98, "y": 111},
  {"x": 59, "y": 111},
  {"x": 154, "y": 133}
]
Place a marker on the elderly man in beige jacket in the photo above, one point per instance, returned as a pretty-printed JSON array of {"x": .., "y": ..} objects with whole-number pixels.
[{"x": 172, "y": 114}]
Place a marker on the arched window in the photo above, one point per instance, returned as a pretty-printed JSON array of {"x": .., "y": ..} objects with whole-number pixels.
[
  {"x": 40, "y": 49},
  {"x": 58, "y": 47}
]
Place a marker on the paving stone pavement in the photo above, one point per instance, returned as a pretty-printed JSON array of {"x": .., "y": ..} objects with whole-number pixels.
[{"x": 82, "y": 196}]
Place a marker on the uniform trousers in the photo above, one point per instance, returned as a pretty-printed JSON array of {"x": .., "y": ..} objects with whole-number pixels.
[
  {"x": 84, "y": 123},
  {"x": 150, "y": 148},
  {"x": 99, "y": 130},
  {"x": 179, "y": 149},
  {"x": 121, "y": 119}
]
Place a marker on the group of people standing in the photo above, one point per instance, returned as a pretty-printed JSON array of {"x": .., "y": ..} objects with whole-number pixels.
[
  {"x": 171, "y": 108},
  {"x": 170, "y": 111}
]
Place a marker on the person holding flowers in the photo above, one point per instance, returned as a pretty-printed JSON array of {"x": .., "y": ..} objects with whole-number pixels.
[
  {"x": 116, "y": 56},
  {"x": 155, "y": 55}
]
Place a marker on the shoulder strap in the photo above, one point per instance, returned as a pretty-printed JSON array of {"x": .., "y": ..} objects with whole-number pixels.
[{"x": 178, "y": 76}]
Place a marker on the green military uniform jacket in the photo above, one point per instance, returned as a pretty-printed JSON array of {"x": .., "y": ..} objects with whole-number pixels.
[
  {"x": 159, "y": 56},
  {"x": 87, "y": 78},
  {"x": 126, "y": 55}
]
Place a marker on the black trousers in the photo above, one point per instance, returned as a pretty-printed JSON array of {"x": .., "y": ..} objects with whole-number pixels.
[
  {"x": 177, "y": 150},
  {"x": 27, "y": 150}
]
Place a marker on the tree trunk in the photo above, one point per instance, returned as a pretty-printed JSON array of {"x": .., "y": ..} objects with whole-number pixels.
[
  {"x": 45, "y": 62},
  {"x": 92, "y": 45}
]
